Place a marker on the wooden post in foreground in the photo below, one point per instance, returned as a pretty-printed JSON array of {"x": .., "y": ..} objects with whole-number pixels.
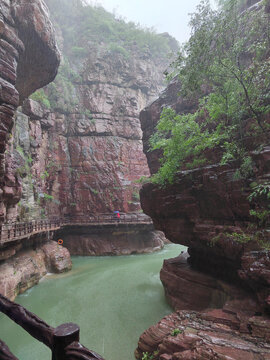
[{"x": 63, "y": 336}]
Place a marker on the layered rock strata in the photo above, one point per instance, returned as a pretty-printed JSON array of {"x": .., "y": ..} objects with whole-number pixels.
[
  {"x": 81, "y": 144},
  {"x": 203, "y": 210},
  {"x": 209, "y": 335},
  {"x": 27, "y": 48},
  {"x": 29, "y": 59},
  {"x": 29, "y": 265},
  {"x": 83, "y": 164},
  {"x": 112, "y": 240}
]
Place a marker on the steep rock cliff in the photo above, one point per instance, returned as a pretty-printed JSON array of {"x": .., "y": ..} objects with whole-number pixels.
[
  {"x": 204, "y": 205},
  {"x": 211, "y": 211},
  {"x": 29, "y": 60},
  {"x": 27, "y": 48},
  {"x": 78, "y": 150}
]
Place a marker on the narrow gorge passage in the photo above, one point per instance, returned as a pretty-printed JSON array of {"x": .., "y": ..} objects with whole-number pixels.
[{"x": 113, "y": 299}]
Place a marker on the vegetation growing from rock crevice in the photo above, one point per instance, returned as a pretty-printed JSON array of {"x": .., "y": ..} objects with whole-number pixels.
[{"x": 226, "y": 67}]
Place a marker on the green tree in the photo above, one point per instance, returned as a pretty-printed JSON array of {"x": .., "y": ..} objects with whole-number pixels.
[{"x": 225, "y": 65}]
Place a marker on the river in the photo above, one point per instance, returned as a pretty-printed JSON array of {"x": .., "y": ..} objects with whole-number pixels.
[{"x": 112, "y": 299}]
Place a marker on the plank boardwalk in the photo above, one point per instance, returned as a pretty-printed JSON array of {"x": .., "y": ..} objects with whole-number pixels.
[{"x": 11, "y": 232}]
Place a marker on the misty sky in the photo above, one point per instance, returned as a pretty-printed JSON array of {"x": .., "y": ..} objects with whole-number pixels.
[{"x": 164, "y": 15}]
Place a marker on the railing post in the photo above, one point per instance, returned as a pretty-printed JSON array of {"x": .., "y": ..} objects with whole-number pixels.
[{"x": 63, "y": 336}]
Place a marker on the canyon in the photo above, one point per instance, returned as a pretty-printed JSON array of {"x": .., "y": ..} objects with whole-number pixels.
[{"x": 73, "y": 149}]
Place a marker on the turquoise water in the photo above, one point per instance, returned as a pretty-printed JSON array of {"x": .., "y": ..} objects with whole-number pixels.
[{"x": 112, "y": 299}]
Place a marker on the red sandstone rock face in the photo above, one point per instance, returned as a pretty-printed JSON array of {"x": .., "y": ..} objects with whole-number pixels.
[
  {"x": 38, "y": 64},
  {"x": 213, "y": 335},
  {"x": 189, "y": 289},
  {"x": 255, "y": 271},
  {"x": 26, "y": 268},
  {"x": 120, "y": 240},
  {"x": 104, "y": 155},
  {"x": 203, "y": 205},
  {"x": 89, "y": 166},
  {"x": 29, "y": 60},
  {"x": 197, "y": 211}
]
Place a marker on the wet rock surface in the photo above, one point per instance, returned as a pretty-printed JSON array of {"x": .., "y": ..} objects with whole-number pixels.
[
  {"x": 224, "y": 280},
  {"x": 119, "y": 240},
  {"x": 203, "y": 205},
  {"x": 214, "y": 334},
  {"x": 28, "y": 266},
  {"x": 187, "y": 288},
  {"x": 29, "y": 60},
  {"x": 87, "y": 157}
]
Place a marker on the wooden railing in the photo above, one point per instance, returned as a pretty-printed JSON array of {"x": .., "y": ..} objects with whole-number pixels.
[
  {"x": 103, "y": 219},
  {"x": 15, "y": 231},
  {"x": 63, "y": 340}
]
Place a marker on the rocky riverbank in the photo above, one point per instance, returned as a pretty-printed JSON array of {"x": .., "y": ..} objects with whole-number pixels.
[{"x": 29, "y": 265}]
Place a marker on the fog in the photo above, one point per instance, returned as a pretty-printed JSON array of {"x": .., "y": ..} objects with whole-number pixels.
[{"x": 170, "y": 16}]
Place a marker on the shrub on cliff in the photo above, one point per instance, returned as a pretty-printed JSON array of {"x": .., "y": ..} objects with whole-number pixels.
[
  {"x": 226, "y": 66},
  {"x": 83, "y": 24}
]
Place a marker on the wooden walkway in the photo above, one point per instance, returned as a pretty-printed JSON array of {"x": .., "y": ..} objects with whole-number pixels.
[{"x": 16, "y": 231}]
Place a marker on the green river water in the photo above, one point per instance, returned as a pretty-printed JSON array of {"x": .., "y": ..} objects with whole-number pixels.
[{"x": 112, "y": 299}]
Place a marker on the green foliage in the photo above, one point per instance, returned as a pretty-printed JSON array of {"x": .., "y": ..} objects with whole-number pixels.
[
  {"x": 83, "y": 24},
  {"x": 245, "y": 170},
  {"x": 181, "y": 137},
  {"x": 24, "y": 170},
  {"x": 88, "y": 114},
  {"x": 44, "y": 175},
  {"x": 78, "y": 51},
  {"x": 41, "y": 97},
  {"x": 142, "y": 180},
  {"x": 256, "y": 233},
  {"x": 262, "y": 217},
  {"x": 62, "y": 92},
  {"x": 136, "y": 195},
  {"x": 29, "y": 159},
  {"x": 117, "y": 49},
  {"x": 20, "y": 150},
  {"x": 94, "y": 191},
  {"x": 240, "y": 237},
  {"x": 147, "y": 356},
  {"x": 175, "y": 332},
  {"x": 48, "y": 197},
  {"x": 260, "y": 191},
  {"x": 224, "y": 65}
]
